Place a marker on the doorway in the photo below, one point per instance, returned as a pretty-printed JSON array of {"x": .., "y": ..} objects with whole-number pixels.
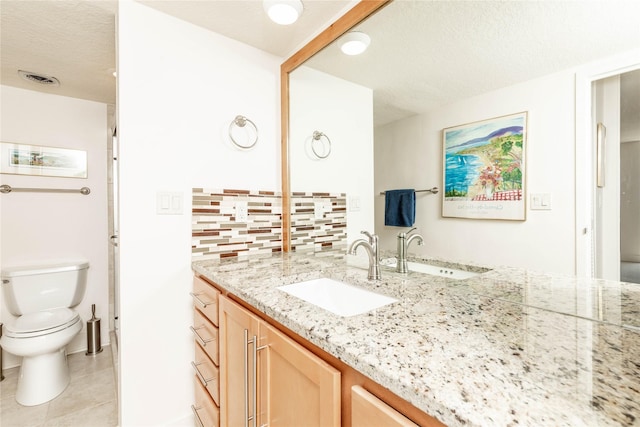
[{"x": 607, "y": 212}]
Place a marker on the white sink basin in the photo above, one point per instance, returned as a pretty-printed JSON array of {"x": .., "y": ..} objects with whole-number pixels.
[
  {"x": 434, "y": 270},
  {"x": 337, "y": 297}
]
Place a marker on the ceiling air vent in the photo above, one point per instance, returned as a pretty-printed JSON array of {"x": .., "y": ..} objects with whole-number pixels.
[{"x": 39, "y": 78}]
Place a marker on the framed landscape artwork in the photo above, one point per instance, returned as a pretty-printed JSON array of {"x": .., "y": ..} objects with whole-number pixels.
[
  {"x": 23, "y": 159},
  {"x": 484, "y": 169}
]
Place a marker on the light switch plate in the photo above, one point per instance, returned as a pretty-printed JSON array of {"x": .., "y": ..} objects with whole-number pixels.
[
  {"x": 169, "y": 203},
  {"x": 541, "y": 201}
]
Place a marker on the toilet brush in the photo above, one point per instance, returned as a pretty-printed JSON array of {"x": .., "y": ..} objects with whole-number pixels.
[{"x": 93, "y": 334}]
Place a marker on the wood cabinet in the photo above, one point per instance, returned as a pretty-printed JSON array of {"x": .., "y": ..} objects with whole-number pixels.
[
  {"x": 367, "y": 410},
  {"x": 268, "y": 379},
  {"x": 253, "y": 371},
  {"x": 206, "y": 355}
]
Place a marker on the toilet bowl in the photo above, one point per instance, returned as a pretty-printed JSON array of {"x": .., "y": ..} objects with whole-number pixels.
[{"x": 42, "y": 298}]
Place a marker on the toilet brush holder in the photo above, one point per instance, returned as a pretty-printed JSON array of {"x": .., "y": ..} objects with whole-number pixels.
[
  {"x": 93, "y": 334},
  {"x": 1, "y": 371}
]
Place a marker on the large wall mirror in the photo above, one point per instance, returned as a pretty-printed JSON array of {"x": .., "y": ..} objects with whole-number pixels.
[{"x": 433, "y": 65}]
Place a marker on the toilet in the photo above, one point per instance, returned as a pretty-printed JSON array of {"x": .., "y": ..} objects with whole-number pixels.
[{"x": 43, "y": 298}]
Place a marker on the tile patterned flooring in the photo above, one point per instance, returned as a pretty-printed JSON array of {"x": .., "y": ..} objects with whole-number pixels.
[{"x": 89, "y": 400}]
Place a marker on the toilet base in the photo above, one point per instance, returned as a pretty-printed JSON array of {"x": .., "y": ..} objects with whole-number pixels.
[{"x": 42, "y": 378}]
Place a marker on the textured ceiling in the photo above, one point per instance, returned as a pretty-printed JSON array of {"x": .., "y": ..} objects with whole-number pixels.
[
  {"x": 426, "y": 54},
  {"x": 423, "y": 53},
  {"x": 73, "y": 41}
]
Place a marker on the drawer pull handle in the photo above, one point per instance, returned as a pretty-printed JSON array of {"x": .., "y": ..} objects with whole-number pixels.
[
  {"x": 196, "y": 297},
  {"x": 195, "y": 412},
  {"x": 201, "y": 340},
  {"x": 203, "y": 380}
]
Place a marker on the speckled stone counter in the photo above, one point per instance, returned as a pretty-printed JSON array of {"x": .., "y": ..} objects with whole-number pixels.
[{"x": 507, "y": 347}]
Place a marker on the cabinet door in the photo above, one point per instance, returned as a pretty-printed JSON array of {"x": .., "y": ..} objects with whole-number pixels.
[
  {"x": 236, "y": 358},
  {"x": 296, "y": 387},
  {"x": 367, "y": 410}
]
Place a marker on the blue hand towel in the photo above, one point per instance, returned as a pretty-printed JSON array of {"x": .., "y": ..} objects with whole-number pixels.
[{"x": 400, "y": 207}]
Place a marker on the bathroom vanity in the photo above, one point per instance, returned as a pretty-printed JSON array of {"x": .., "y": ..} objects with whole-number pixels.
[{"x": 503, "y": 347}]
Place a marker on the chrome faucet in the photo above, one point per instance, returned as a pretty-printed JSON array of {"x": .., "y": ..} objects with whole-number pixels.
[
  {"x": 404, "y": 240},
  {"x": 372, "y": 251}
]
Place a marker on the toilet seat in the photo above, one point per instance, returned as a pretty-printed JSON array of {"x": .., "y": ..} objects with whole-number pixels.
[{"x": 42, "y": 323}]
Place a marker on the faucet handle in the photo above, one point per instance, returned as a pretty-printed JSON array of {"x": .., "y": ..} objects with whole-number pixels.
[
  {"x": 369, "y": 235},
  {"x": 407, "y": 233}
]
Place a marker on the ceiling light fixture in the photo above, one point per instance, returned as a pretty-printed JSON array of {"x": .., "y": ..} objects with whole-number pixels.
[
  {"x": 283, "y": 12},
  {"x": 354, "y": 43}
]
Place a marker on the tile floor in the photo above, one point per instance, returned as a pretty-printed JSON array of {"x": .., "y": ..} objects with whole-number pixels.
[{"x": 89, "y": 400}]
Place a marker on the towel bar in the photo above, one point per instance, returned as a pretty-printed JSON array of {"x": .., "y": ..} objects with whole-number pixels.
[{"x": 433, "y": 190}]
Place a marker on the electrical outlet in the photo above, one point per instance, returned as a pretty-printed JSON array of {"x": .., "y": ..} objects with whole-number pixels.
[
  {"x": 354, "y": 204},
  {"x": 242, "y": 212},
  {"x": 318, "y": 210}
]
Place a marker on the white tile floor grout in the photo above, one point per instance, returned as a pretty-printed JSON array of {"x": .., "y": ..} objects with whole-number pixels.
[{"x": 89, "y": 400}]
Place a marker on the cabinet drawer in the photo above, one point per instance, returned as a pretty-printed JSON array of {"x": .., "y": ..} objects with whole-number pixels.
[
  {"x": 206, "y": 413},
  {"x": 206, "y": 334},
  {"x": 207, "y": 373},
  {"x": 367, "y": 410},
  {"x": 205, "y": 299}
]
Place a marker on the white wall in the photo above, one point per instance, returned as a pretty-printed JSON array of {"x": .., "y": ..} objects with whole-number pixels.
[
  {"x": 408, "y": 154},
  {"x": 179, "y": 88},
  {"x": 344, "y": 112},
  {"x": 39, "y": 227}
]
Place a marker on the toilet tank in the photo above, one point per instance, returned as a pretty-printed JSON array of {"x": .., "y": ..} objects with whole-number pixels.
[{"x": 41, "y": 287}]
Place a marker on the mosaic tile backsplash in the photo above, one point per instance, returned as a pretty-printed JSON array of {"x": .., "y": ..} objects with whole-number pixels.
[
  {"x": 309, "y": 232},
  {"x": 216, "y": 233}
]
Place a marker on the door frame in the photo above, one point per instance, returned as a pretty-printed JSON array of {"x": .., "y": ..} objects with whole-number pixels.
[{"x": 584, "y": 149}]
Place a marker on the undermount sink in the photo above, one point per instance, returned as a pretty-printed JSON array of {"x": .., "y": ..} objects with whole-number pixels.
[
  {"x": 337, "y": 297},
  {"x": 434, "y": 270}
]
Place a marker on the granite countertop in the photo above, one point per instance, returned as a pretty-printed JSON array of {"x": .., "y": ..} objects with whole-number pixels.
[{"x": 507, "y": 347}]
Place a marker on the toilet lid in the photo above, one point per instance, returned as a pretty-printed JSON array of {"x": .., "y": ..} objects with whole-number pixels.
[{"x": 42, "y": 322}]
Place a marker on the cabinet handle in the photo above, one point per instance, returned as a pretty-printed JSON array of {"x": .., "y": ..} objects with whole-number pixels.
[
  {"x": 203, "y": 380},
  {"x": 246, "y": 378},
  {"x": 196, "y": 297},
  {"x": 201, "y": 340},
  {"x": 254, "y": 381},
  {"x": 195, "y": 412}
]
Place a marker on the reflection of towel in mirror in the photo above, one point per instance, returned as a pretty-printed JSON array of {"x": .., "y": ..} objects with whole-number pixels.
[{"x": 400, "y": 207}]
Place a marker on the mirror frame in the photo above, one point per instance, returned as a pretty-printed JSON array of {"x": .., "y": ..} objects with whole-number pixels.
[{"x": 350, "y": 19}]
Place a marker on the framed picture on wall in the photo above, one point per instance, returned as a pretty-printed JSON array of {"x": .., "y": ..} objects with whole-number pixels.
[
  {"x": 484, "y": 169},
  {"x": 37, "y": 160}
]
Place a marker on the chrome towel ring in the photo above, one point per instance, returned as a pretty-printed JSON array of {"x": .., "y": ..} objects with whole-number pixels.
[
  {"x": 317, "y": 136},
  {"x": 241, "y": 122}
]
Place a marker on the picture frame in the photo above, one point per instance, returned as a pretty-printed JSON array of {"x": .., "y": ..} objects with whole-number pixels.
[
  {"x": 484, "y": 169},
  {"x": 23, "y": 159}
]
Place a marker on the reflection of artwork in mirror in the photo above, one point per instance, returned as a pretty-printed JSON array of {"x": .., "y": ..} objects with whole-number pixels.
[
  {"x": 43, "y": 161},
  {"x": 484, "y": 169}
]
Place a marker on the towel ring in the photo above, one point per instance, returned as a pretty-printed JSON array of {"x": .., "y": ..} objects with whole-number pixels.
[
  {"x": 241, "y": 122},
  {"x": 317, "y": 136}
]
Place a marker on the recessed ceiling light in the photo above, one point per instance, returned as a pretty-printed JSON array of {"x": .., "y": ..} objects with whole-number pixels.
[
  {"x": 354, "y": 43},
  {"x": 283, "y": 12}
]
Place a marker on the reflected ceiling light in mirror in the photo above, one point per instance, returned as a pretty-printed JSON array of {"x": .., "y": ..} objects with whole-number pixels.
[
  {"x": 354, "y": 43},
  {"x": 283, "y": 12}
]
